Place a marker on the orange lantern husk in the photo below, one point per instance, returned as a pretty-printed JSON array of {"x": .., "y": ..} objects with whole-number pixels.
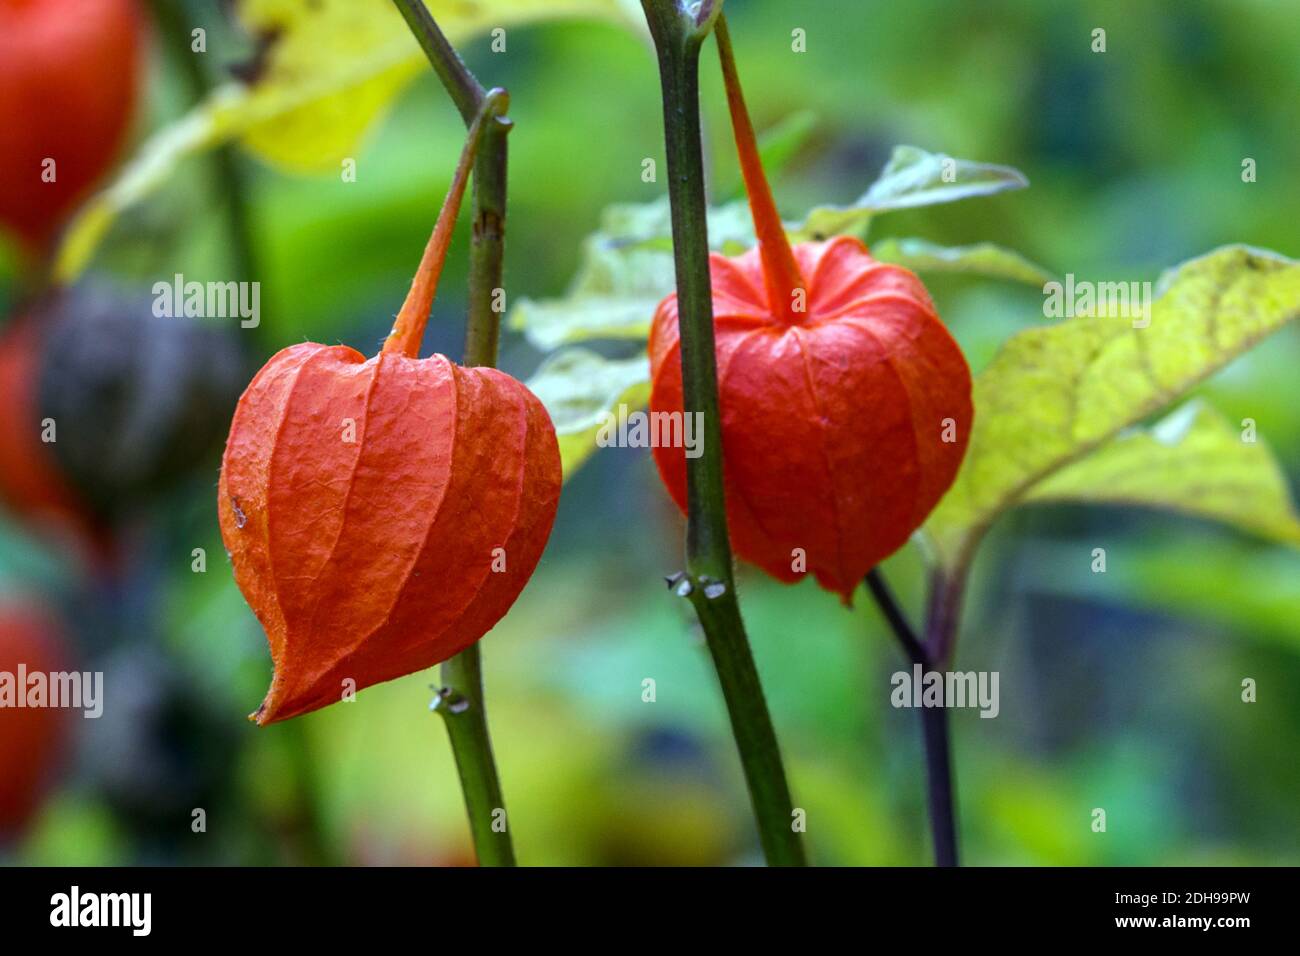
[
  {"x": 845, "y": 403},
  {"x": 383, "y": 514}
]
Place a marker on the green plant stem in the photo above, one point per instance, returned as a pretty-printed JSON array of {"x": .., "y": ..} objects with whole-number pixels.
[
  {"x": 940, "y": 789},
  {"x": 487, "y": 245},
  {"x": 463, "y": 705},
  {"x": 710, "y": 584},
  {"x": 461, "y": 85}
]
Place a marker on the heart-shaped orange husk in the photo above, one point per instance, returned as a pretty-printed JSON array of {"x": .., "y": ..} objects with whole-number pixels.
[
  {"x": 383, "y": 514},
  {"x": 846, "y": 405},
  {"x": 373, "y": 558}
]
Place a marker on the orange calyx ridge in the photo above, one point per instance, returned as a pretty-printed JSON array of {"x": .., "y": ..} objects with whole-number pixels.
[
  {"x": 408, "y": 329},
  {"x": 786, "y": 290}
]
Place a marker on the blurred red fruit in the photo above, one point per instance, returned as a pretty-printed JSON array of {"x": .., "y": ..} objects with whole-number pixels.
[
  {"x": 32, "y": 739},
  {"x": 30, "y": 483},
  {"x": 69, "y": 79}
]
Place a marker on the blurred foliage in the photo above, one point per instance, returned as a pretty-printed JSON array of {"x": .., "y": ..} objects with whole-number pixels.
[
  {"x": 911, "y": 178},
  {"x": 981, "y": 258},
  {"x": 578, "y": 387},
  {"x": 319, "y": 78},
  {"x": 1119, "y": 690}
]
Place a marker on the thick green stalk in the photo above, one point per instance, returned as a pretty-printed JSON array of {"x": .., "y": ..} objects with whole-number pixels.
[
  {"x": 461, "y": 700},
  {"x": 487, "y": 246},
  {"x": 488, "y": 218},
  {"x": 709, "y": 583},
  {"x": 461, "y": 703}
]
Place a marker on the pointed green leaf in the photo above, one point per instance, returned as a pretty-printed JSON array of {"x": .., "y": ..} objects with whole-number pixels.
[
  {"x": 912, "y": 177},
  {"x": 1053, "y": 395},
  {"x": 579, "y": 389},
  {"x": 983, "y": 259},
  {"x": 331, "y": 69},
  {"x": 1193, "y": 461}
]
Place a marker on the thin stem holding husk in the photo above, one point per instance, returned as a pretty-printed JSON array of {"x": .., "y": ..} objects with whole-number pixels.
[
  {"x": 780, "y": 270},
  {"x": 461, "y": 676},
  {"x": 940, "y": 789},
  {"x": 488, "y": 216},
  {"x": 408, "y": 330}
]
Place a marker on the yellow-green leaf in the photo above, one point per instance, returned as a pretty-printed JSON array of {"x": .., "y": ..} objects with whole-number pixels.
[
  {"x": 332, "y": 68},
  {"x": 983, "y": 259},
  {"x": 579, "y": 389},
  {"x": 335, "y": 66},
  {"x": 1053, "y": 395},
  {"x": 1193, "y": 461}
]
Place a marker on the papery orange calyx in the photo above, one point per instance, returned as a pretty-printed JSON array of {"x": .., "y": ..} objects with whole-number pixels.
[
  {"x": 383, "y": 514},
  {"x": 369, "y": 559},
  {"x": 842, "y": 424}
]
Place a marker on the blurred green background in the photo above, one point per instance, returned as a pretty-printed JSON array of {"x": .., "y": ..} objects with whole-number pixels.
[{"x": 1119, "y": 691}]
